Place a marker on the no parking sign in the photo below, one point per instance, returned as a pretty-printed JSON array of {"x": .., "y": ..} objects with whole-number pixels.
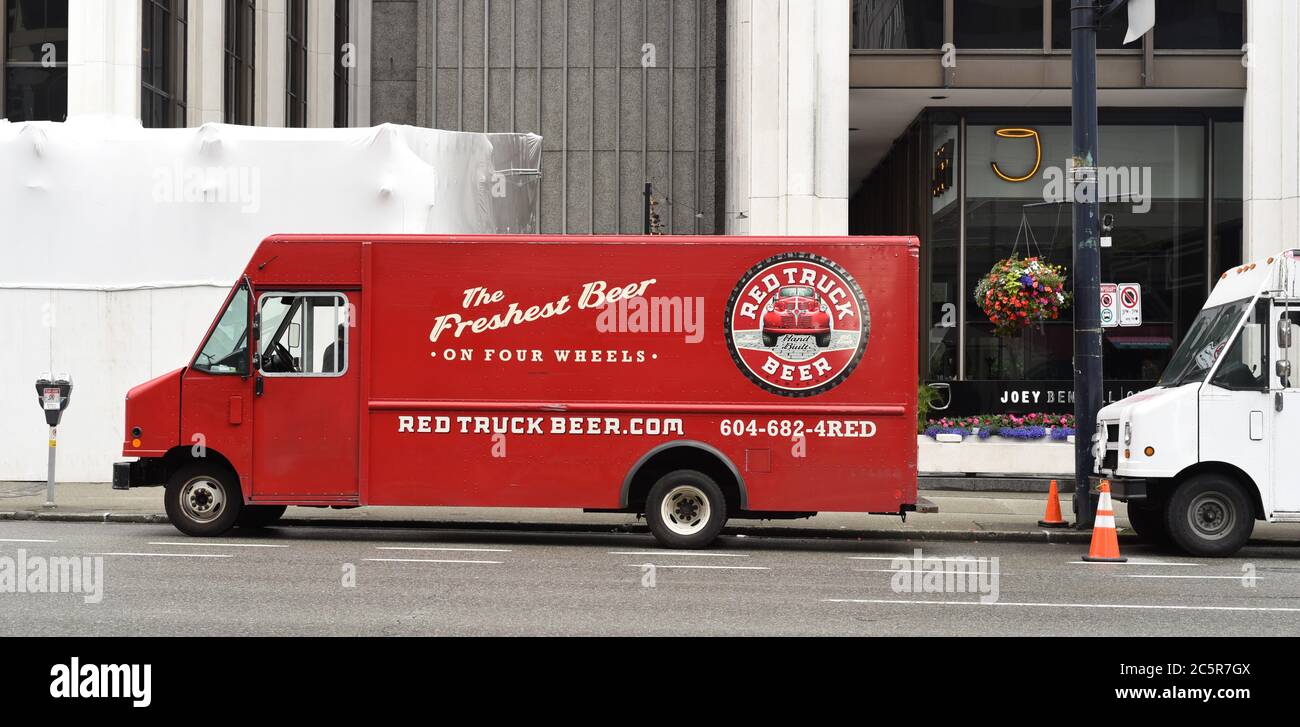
[
  {"x": 1130, "y": 304},
  {"x": 1109, "y": 305}
]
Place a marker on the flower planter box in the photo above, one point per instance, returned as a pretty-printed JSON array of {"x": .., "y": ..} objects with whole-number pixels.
[{"x": 995, "y": 456}]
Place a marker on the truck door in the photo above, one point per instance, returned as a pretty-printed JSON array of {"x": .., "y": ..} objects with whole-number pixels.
[
  {"x": 306, "y": 403},
  {"x": 1286, "y": 428}
]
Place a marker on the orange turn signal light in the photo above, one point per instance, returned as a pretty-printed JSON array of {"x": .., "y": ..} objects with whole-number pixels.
[
  {"x": 1149, "y": 451},
  {"x": 135, "y": 443}
]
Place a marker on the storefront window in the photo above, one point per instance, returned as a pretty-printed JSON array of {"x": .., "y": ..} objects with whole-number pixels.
[
  {"x": 944, "y": 248},
  {"x": 998, "y": 24},
  {"x": 1227, "y": 213},
  {"x": 1154, "y": 191},
  {"x": 897, "y": 24}
]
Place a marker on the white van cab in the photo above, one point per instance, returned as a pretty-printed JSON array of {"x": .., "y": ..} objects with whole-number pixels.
[{"x": 1215, "y": 445}]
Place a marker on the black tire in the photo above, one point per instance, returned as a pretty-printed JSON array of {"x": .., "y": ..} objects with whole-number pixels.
[
  {"x": 1148, "y": 521},
  {"x": 686, "y": 494},
  {"x": 203, "y": 499},
  {"x": 259, "y": 516},
  {"x": 824, "y": 340},
  {"x": 769, "y": 340},
  {"x": 1210, "y": 515}
]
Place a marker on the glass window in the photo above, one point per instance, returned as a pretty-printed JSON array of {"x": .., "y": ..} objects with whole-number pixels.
[
  {"x": 1228, "y": 210},
  {"x": 303, "y": 334},
  {"x": 226, "y": 350},
  {"x": 1203, "y": 344},
  {"x": 1110, "y": 31},
  {"x": 1157, "y": 200},
  {"x": 894, "y": 24},
  {"x": 237, "y": 93},
  {"x": 1199, "y": 24},
  {"x": 944, "y": 258},
  {"x": 295, "y": 111},
  {"x": 1245, "y": 364},
  {"x": 997, "y": 24},
  {"x": 343, "y": 59},
  {"x": 163, "y": 63},
  {"x": 35, "y": 62}
]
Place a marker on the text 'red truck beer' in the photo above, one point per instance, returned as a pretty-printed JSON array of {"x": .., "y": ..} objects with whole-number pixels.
[{"x": 692, "y": 379}]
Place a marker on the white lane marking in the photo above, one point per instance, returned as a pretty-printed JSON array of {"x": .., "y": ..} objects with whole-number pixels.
[
  {"x": 1143, "y": 562},
  {"x": 172, "y": 555},
  {"x": 698, "y": 567},
  {"x": 1026, "y": 604},
  {"x": 25, "y": 540},
  {"x": 1151, "y": 575},
  {"x": 677, "y": 552},
  {"x": 219, "y": 545},
  {"x": 464, "y": 550},
  {"x": 910, "y": 557},
  {"x": 895, "y": 570},
  {"x": 431, "y": 560}
]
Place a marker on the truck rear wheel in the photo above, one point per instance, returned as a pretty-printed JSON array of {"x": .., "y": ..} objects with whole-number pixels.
[
  {"x": 1210, "y": 515},
  {"x": 259, "y": 516},
  {"x": 1149, "y": 523},
  {"x": 686, "y": 509},
  {"x": 203, "y": 499}
]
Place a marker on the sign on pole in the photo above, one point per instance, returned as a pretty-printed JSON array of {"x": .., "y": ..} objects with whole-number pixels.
[
  {"x": 1109, "y": 305},
  {"x": 1130, "y": 304}
]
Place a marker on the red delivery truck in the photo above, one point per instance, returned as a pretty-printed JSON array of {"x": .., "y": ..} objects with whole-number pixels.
[{"x": 692, "y": 379}]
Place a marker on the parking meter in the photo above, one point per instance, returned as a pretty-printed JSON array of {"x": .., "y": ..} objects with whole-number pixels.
[{"x": 53, "y": 396}]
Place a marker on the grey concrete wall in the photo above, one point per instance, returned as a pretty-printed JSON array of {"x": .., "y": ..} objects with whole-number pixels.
[{"x": 572, "y": 71}]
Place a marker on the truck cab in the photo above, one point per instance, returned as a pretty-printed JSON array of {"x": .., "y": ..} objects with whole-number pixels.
[{"x": 1215, "y": 446}]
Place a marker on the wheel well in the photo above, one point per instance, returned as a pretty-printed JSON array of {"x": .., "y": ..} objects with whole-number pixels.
[
  {"x": 178, "y": 457},
  {"x": 693, "y": 456},
  {"x": 1228, "y": 470}
]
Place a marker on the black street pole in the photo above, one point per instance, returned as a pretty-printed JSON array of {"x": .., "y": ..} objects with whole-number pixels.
[{"x": 1087, "y": 256}]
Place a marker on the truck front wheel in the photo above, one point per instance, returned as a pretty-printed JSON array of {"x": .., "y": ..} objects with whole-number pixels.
[
  {"x": 686, "y": 509},
  {"x": 203, "y": 499},
  {"x": 1209, "y": 515}
]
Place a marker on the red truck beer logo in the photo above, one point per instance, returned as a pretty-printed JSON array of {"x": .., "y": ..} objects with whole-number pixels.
[{"x": 797, "y": 324}]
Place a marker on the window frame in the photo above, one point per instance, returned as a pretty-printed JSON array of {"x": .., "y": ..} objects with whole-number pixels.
[
  {"x": 295, "y": 32},
  {"x": 6, "y": 64},
  {"x": 174, "y": 89},
  {"x": 239, "y": 62},
  {"x": 342, "y": 74},
  {"x": 347, "y": 332}
]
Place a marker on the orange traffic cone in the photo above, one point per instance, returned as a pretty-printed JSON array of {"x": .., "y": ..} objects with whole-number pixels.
[
  {"x": 1052, "y": 518},
  {"x": 1105, "y": 541}
]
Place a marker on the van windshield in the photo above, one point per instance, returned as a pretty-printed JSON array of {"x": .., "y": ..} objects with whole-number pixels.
[
  {"x": 1205, "y": 341},
  {"x": 226, "y": 350}
]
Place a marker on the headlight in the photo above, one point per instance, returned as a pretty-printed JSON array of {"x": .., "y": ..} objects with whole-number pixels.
[{"x": 1128, "y": 433}]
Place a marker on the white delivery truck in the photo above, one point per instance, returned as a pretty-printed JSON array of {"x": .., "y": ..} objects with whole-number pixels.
[{"x": 1215, "y": 445}]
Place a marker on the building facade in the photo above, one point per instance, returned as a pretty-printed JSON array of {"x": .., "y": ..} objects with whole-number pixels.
[{"x": 960, "y": 128}]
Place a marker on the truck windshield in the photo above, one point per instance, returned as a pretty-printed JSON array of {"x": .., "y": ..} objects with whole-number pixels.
[
  {"x": 226, "y": 350},
  {"x": 1205, "y": 341}
]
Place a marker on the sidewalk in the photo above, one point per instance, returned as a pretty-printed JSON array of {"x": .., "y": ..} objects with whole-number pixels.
[{"x": 963, "y": 516}]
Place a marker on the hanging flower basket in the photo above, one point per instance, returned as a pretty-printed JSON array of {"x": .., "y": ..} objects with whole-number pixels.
[{"x": 1019, "y": 292}]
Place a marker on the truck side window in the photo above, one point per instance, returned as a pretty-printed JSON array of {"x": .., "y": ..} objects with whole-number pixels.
[
  {"x": 1245, "y": 364},
  {"x": 303, "y": 334},
  {"x": 226, "y": 350}
]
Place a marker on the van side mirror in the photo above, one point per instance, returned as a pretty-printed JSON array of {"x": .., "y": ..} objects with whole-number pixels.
[
  {"x": 1284, "y": 332},
  {"x": 1284, "y": 372}
]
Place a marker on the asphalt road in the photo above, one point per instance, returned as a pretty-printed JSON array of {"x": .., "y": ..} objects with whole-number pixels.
[{"x": 291, "y": 581}]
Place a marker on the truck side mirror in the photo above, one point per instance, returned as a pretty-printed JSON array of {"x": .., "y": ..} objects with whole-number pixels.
[
  {"x": 1284, "y": 332},
  {"x": 1283, "y": 367}
]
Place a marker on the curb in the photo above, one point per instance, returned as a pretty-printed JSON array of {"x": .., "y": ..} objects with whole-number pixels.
[{"x": 1007, "y": 536}]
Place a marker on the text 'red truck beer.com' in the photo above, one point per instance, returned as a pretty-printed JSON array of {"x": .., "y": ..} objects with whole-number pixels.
[{"x": 692, "y": 379}]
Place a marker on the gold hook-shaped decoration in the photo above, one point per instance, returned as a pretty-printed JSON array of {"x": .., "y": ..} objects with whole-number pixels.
[{"x": 1038, "y": 153}]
